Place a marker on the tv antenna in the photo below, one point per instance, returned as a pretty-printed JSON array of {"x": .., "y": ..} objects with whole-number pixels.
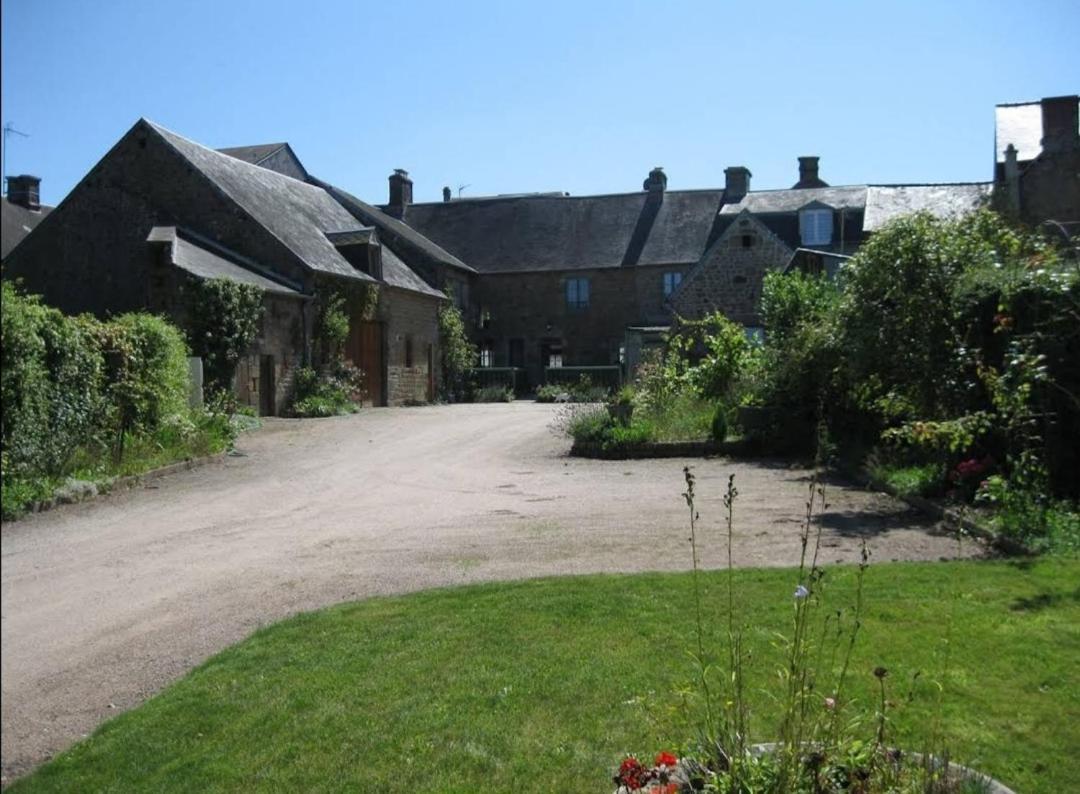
[
  {"x": 461, "y": 188},
  {"x": 9, "y": 129}
]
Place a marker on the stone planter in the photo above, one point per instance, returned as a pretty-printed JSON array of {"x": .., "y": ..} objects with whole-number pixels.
[{"x": 991, "y": 786}]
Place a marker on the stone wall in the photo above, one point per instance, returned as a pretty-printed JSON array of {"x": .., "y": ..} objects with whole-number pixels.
[
  {"x": 1050, "y": 188},
  {"x": 410, "y": 321},
  {"x": 730, "y": 275},
  {"x": 532, "y": 307}
]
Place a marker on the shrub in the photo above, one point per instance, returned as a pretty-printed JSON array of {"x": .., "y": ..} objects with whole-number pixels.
[
  {"x": 317, "y": 396},
  {"x": 548, "y": 393},
  {"x": 927, "y": 479},
  {"x": 457, "y": 352},
  {"x": 708, "y": 354},
  {"x": 146, "y": 371},
  {"x": 224, "y": 321},
  {"x": 495, "y": 394},
  {"x": 719, "y": 424}
]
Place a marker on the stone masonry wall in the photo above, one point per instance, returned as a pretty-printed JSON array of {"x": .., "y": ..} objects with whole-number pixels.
[
  {"x": 410, "y": 319},
  {"x": 532, "y": 307},
  {"x": 730, "y": 275}
]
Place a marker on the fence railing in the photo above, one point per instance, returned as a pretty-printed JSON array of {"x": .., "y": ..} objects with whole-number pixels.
[
  {"x": 609, "y": 376},
  {"x": 510, "y": 377}
]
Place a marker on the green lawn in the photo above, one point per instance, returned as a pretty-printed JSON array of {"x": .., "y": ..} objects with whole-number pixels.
[{"x": 542, "y": 685}]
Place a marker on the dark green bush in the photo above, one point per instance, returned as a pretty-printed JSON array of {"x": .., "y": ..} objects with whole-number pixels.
[
  {"x": 719, "y": 424},
  {"x": 318, "y": 395},
  {"x": 224, "y": 321},
  {"x": 494, "y": 394}
]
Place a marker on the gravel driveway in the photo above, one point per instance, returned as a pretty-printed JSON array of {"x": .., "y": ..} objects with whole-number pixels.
[{"x": 106, "y": 602}]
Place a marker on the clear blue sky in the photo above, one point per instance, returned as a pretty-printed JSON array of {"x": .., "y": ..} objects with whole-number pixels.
[{"x": 520, "y": 96}]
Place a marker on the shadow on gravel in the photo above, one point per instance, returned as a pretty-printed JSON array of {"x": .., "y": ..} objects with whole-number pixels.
[{"x": 867, "y": 524}]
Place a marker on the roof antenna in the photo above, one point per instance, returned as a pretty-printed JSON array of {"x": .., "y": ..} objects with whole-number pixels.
[
  {"x": 9, "y": 128},
  {"x": 460, "y": 188}
]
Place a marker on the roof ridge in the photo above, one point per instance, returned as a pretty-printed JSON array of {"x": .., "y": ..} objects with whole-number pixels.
[{"x": 533, "y": 196}]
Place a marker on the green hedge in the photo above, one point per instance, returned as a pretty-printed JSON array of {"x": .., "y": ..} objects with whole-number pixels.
[{"x": 76, "y": 386}]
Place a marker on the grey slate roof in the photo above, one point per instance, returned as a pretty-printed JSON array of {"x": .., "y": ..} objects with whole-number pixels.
[
  {"x": 295, "y": 212},
  {"x": 538, "y": 232},
  {"x": 397, "y": 233},
  {"x": 202, "y": 261},
  {"x": 253, "y": 154},
  {"x": 886, "y": 202},
  {"x": 396, "y": 273},
  {"x": 16, "y": 221},
  {"x": 792, "y": 199}
]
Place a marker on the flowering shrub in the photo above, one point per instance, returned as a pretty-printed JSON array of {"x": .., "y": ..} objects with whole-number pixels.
[{"x": 665, "y": 776}]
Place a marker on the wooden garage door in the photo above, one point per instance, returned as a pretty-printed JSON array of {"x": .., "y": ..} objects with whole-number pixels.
[{"x": 365, "y": 350}]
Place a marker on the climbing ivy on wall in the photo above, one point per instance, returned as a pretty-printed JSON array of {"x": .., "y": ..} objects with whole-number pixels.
[
  {"x": 224, "y": 321},
  {"x": 334, "y": 307}
]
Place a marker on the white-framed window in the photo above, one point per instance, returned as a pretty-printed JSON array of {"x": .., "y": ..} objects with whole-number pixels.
[
  {"x": 671, "y": 281},
  {"x": 577, "y": 293},
  {"x": 486, "y": 355},
  {"x": 815, "y": 226}
]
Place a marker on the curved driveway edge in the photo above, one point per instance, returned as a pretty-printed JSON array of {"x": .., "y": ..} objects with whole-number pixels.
[{"x": 106, "y": 602}]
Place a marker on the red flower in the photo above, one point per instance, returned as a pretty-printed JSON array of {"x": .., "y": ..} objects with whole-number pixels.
[
  {"x": 664, "y": 788},
  {"x": 632, "y": 774},
  {"x": 666, "y": 759}
]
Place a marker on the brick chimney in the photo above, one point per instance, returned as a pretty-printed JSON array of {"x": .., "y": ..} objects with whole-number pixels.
[
  {"x": 1059, "y": 123},
  {"x": 25, "y": 190},
  {"x": 736, "y": 183},
  {"x": 656, "y": 182},
  {"x": 446, "y": 193},
  {"x": 400, "y": 192},
  {"x": 808, "y": 173}
]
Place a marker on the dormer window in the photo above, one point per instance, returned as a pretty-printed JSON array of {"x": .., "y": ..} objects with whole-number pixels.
[{"x": 816, "y": 226}]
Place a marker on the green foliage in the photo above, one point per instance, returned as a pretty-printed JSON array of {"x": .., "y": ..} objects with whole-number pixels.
[
  {"x": 146, "y": 371},
  {"x": 708, "y": 355},
  {"x": 73, "y": 385},
  {"x": 494, "y": 394},
  {"x": 224, "y": 321},
  {"x": 719, "y": 426},
  {"x": 925, "y": 480},
  {"x": 457, "y": 352},
  {"x": 318, "y": 395},
  {"x": 548, "y": 393}
]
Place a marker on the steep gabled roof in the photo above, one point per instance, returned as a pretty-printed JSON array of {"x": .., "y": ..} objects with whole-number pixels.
[
  {"x": 554, "y": 232},
  {"x": 399, "y": 235},
  {"x": 886, "y": 202},
  {"x": 396, "y": 273},
  {"x": 794, "y": 199},
  {"x": 295, "y": 212}
]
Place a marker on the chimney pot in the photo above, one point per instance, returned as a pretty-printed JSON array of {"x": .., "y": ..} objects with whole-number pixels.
[
  {"x": 1059, "y": 123},
  {"x": 808, "y": 173},
  {"x": 400, "y": 192},
  {"x": 25, "y": 190},
  {"x": 446, "y": 194},
  {"x": 656, "y": 182},
  {"x": 736, "y": 183}
]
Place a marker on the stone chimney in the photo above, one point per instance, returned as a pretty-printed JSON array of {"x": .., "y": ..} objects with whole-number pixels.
[
  {"x": 736, "y": 183},
  {"x": 1059, "y": 123},
  {"x": 446, "y": 193},
  {"x": 656, "y": 182},
  {"x": 25, "y": 190},
  {"x": 808, "y": 173},
  {"x": 400, "y": 192},
  {"x": 1012, "y": 181}
]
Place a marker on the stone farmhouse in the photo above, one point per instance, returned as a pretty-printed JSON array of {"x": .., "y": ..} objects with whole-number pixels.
[{"x": 544, "y": 279}]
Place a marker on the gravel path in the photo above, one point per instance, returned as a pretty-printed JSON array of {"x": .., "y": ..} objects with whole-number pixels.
[{"x": 106, "y": 602}]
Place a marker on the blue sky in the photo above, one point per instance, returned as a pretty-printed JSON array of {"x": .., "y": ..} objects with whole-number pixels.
[{"x": 520, "y": 96}]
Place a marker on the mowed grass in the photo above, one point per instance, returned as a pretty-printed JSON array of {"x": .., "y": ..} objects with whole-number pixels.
[{"x": 542, "y": 685}]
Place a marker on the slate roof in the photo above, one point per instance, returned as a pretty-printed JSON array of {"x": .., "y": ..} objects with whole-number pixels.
[
  {"x": 791, "y": 200},
  {"x": 396, "y": 273},
  {"x": 399, "y": 234},
  {"x": 212, "y": 261},
  {"x": 254, "y": 154},
  {"x": 16, "y": 221},
  {"x": 295, "y": 212},
  {"x": 886, "y": 202},
  {"x": 544, "y": 232}
]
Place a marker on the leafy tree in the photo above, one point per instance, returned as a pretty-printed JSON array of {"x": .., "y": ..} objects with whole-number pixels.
[
  {"x": 458, "y": 354},
  {"x": 224, "y": 322}
]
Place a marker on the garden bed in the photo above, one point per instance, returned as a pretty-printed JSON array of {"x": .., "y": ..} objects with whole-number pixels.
[{"x": 661, "y": 449}]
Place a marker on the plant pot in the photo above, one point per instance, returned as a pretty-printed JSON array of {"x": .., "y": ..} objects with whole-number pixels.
[{"x": 991, "y": 786}]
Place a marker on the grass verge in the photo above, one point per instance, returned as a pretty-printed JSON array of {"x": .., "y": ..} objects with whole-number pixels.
[{"x": 542, "y": 685}]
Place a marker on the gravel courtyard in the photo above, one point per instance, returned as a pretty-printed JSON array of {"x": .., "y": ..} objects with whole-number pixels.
[{"x": 106, "y": 602}]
